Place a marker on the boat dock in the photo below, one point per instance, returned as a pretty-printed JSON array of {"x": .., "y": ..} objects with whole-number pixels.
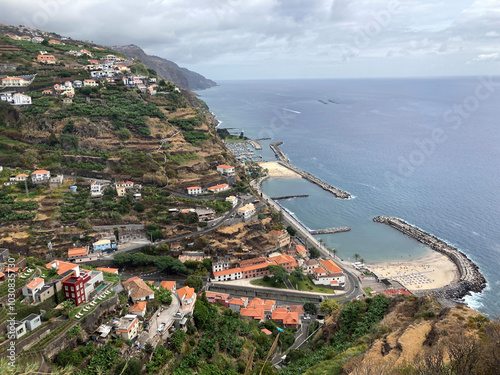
[
  {"x": 279, "y": 154},
  {"x": 330, "y": 230},
  {"x": 255, "y": 144}
]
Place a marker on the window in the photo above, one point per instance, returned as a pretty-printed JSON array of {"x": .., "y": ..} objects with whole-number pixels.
[
  {"x": 72, "y": 289},
  {"x": 72, "y": 295},
  {"x": 67, "y": 294}
]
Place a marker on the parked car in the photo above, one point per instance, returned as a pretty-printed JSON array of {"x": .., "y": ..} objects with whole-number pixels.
[{"x": 160, "y": 328}]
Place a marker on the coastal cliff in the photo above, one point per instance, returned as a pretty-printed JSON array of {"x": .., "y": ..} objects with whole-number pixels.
[{"x": 470, "y": 278}]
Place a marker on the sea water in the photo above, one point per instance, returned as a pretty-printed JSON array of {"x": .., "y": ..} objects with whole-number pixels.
[{"x": 424, "y": 150}]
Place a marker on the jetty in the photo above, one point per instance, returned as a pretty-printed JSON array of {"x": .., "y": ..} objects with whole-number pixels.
[
  {"x": 470, "y": 278},
  {"x": 283, "y": 160},
  {"x": 290, "y": 196},
  {"x": 330, "y": 230},
  {"x": 255, "y": 143}
]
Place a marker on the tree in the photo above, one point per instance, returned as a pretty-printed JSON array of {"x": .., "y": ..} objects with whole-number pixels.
[
  {"x": 310, "y": 308},
  {"x": 314, "y": 253},
  {"x": 298, "y": 274},
  {"x": 328, "y": 306},
  {"x": 335, "y": 252},
  {"x": 291, "y": 230},
  {"x": 279, "y": 273},
  {"x": 362, "y": 261},
  {"x": 68, "y": 306},
  {"x": 195, "y": 282},
  {"x": 163, "y": 295},
  {"x": 357, "y": 256},
  {"x": 201, "y": 315}
]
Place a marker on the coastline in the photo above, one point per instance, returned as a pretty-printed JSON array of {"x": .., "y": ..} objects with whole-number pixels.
[
  {"x": 469, "y": 278},
  {"x": 277, "y": 170}
]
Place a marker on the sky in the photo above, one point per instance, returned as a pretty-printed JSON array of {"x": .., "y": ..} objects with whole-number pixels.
[{"x": 266, "y": 39}]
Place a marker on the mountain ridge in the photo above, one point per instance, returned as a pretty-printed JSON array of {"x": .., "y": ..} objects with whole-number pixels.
[{"x": 167, "y": 69}]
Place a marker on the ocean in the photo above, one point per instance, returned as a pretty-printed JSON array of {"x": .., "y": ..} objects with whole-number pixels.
[{"x": 425, "y": 150}]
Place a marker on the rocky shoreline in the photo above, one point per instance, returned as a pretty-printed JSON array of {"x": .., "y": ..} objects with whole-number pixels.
[{"x": 470, "y": 278}]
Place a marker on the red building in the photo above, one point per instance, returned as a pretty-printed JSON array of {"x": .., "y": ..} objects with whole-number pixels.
[{"x": 74, "y": 288}]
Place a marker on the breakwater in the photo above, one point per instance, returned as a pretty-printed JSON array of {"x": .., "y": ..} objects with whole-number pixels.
[
  {"x": 470, "y": 278},
  {"x": 290, "y": 196},
  {"x": 330, "y": 230},
  {"x": 283, "y": 160}
]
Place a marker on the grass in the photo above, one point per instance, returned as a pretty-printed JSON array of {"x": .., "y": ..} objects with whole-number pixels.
[
  {"x": 268, "y": 284},
  {"x": 368, "y": 291},
  {"x": 233, "y": 138},
  {"x": 308, "y": 286}
]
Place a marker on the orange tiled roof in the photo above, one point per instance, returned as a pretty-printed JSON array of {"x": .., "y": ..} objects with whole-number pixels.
[
  {"x": 301, "y": 249},
  {"x": 35, "y": 282},
  {"x": 225, "y": 166},
  {"x": 106, "y": 269},
  {"x": 194, "y": 187},
  {"x": 138, "y": 288},
  {"x": 217, "y": 295},
  {"x": 237, "y": 301},
  {"x": 12, "y": 269},
  {"x": 227, "y": 272},
  {"x": 62, "y": 267},
  {"x": 266, "y": 331},
  {"x": 40, "y": 171},
  {"x": 297, "y": 308},
  {"x": 218, "y": 186},
  {"x": 256, "y": 313},
  {"x": 168, "y": 284},
  {"x": 330, "y": 266},
  {"x": 319, "y": 271},
  {"x": 185, "y": 292},
  {"x": 139, "y": 306},
  {"x": 77, "y": 252}
]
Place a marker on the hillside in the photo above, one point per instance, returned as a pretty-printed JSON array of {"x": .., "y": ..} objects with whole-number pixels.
[
  {"x": 167, "y": 69},
  {"x": 95, "y": 114}
]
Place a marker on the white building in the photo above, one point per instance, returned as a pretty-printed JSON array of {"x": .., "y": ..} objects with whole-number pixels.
[
  {"x": 246, "y": 211},
  {"x": 218, "y": 188},
  {"x": 32, "y": 321},
  {"x": 225, "y": 170},
  {"x": 233, "y": 200},
  {"x": 194, "y": 190},
  {"x": 95, "y": 189},
  {"x": 21, "y": 99},
  {"x": 32, "y": 288},
  {"x": 40, "y": 175}
]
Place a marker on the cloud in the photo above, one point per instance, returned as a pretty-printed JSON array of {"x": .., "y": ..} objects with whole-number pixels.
[
  {"x": 271, "y": 38},
  {"x": 488, "y": 57}
]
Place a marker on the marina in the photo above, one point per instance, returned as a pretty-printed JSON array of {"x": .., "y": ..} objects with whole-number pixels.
[{"x": 243, "y": 152}]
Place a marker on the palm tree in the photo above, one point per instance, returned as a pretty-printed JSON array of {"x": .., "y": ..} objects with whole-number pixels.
[
  {"x": 68, "y": 306},
  {"x": 357, "y": 256},
  {"x": 335, "y": 252},
  {"x": 362, "y": 261}
]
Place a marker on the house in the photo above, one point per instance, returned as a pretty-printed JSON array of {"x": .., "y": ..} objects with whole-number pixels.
[
  {"x": 104, "y": 245},
  {"x": 125, "y": 184},
  {"x": 137, "y": 289},
  {"x": 222, "y": 298},
  {"x": 74, "y": 289},
  {"x": 25, "y": 38},
  {"x": 236, "y": 304},
  {"x": 283, "y": 316},
  {"x": 194, "y": 190},
  {"x": 267, "y": 305},
  {"x": 279, "y": 238},
  {"x": 139, "y": 308},
  {"x": 37, "y": 39},
  {"x": 328, "y": 273},
  {"x": 254, "y": 313},
  {"x": 95, "y": 189},
  {"x": 30, "y": 290},
  {"x": 19, "y": 330},
  {"x": 310, "y": 264},
  {"x": 286, "y": 261},
  {"x": 221, "y": 264},
  {"x": 21, "y": 99},
  {"x": 114, "y": 271},
  {"x": 299, "y": 309},
  {"x": 204, "y": 214},
  {"x": 32, "y": 321},
  {"x": 169, "y": 285},
  {"x": 230, "y": 274},
  {"x": 54, "y": 41},
  {"x": 77, "y": 84},
  {"x": 14, "y": 82},
  {"x": 218, "y": 188},
  {"x": 45, "y": 293},
  {"x": 127, "y": 327},
  {"x": 47, "y": 92},
  {"x": 40, "y": 175},
  {"x": 46, "y": 59},
  {"x": 246, "y": 211},
  {"x": 266, "y": 331},
  {"x": 301, "y": 251},
  {"x": 63, "y": 267},
  {"x": 20, "y": 177},
  {"x": 225, "y": 170},
  {"x": 187, "y": 297},
  {"x": 232, "y": 199},
  {"x": 78, "y": 252},
  {"x": 89, "y": 83}
]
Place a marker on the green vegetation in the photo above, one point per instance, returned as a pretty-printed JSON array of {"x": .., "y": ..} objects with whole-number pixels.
[
  {"x": 163, "y": 263},
  {"x": 195, "y": 282},
  {"x": 268, "y": 282}
]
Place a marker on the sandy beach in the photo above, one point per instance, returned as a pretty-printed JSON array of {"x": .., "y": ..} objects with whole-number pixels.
[
  {"x": 430, "y": 272},
  {"x": 276, "y": 169}
]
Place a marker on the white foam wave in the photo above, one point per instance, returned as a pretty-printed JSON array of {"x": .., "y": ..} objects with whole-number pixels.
[{"x": 474, "y": 301}]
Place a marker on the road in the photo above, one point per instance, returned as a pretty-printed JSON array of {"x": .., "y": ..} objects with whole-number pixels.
[{"x": 351, "y": 291}]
